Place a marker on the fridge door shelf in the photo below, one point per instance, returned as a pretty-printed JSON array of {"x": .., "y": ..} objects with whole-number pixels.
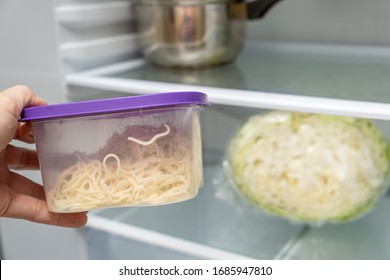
[
  {"x": 340, "y": 80},
  {"x": 94, "y": 14}
]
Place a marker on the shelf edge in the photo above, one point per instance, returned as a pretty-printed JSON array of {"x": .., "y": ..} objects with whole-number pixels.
[
  {"x": 241, "y": 98},
  {"x": 159, "y": 239}
]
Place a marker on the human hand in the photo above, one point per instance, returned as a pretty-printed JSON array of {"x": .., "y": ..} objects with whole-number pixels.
[{"x": 19, "y": 196}]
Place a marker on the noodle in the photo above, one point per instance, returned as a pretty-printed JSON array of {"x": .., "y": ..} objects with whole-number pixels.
[
  {"x": 145, "y": 143},
  {"x": 159, "y": 171},
  {"x": 117, "y": 160}
]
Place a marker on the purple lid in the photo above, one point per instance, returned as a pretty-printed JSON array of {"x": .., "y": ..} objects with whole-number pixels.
[{"x": 74, "y": 109}]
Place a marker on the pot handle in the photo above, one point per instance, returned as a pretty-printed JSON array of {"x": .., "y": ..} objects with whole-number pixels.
[{"x": 251, "y": 10}]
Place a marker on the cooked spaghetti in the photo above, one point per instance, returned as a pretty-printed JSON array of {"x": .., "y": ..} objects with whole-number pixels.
[{"x": 159, "y": 171}]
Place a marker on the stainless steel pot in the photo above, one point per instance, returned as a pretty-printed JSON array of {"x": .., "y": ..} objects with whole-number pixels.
[{"x": 194, "y": 33}]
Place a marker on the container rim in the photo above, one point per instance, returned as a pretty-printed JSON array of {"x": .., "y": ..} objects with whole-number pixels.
[
  {"x": 178, "y": 2},
  {"x": 112, "y": 105}
]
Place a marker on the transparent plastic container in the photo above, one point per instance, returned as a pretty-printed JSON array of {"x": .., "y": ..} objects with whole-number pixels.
[{"x": 130, "y": 151}]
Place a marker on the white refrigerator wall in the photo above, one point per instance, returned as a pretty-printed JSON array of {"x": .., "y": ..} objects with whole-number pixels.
[
  {"x": 326, "y": 21},
  {"x": 28, "y": 48},
  {"x": 29, "y": 54}
]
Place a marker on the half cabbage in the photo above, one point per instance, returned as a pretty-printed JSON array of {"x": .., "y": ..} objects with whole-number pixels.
[{"x": 309, "y": 167}]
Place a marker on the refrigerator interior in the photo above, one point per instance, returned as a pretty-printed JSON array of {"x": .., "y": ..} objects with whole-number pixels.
[
  {"x": 327, "y": 57},
  {"x": 216, "y": 225},
  {"x": 339, "y": 80}
]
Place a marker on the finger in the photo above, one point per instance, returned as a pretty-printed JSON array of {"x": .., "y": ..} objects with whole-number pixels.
[
  {"x": 22, "y": 185},
  {"x": 12, "y": 102},
  {"x": 20, "y": 158},
  {"x": 19, "y": 97},
  {"x": 14, "y": 99},
  {"x": 35, "y": 210},
  {"x": 24, "y": 133}
]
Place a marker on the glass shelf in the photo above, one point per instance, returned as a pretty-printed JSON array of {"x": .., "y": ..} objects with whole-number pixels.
[
  {"x": 366, "y": 238},
  {"x": 351, "y": 76},
  {"x": 323, "y": 79},
  {"x": 212, "y": 222}
]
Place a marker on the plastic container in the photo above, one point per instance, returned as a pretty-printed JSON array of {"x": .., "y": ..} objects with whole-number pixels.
[{"x": 131, "y": 151}]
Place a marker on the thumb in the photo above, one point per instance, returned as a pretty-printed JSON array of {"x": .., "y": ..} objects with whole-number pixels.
[{"x": 12, "y": 102}]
